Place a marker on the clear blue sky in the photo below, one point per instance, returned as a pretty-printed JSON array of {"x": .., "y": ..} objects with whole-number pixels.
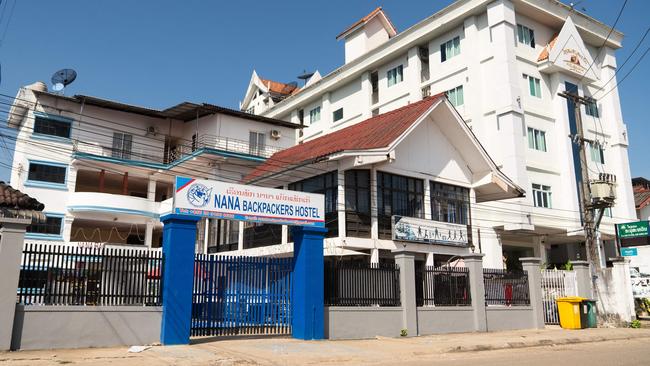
[{"x": 159, "y": 53}]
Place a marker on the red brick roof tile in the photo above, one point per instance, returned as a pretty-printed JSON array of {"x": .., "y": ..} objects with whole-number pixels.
[
  {"x": 547, "y": 50},
  {"x": 374, "y": 133},
  {"x": 280, "y": 88}
]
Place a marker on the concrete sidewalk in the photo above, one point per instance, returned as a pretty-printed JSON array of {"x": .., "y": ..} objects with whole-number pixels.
[{"x": 285, "y": 351}]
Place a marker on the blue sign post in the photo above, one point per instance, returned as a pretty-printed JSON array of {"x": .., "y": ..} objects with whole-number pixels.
[{"x": 194, "y": 199}]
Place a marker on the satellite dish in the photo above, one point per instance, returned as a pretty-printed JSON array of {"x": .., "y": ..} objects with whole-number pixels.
[{"x": 63, "y": 77}]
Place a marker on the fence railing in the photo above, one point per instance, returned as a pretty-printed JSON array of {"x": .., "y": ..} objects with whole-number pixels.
[
  {"x": 361, "y": 284},
  {"x": 508, "y": 288},
  {"x": 444, "y": 286},
  {"x": 54, "y": 274}
]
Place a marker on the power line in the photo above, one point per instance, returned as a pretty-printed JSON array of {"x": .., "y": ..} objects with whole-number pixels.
[{"x": 628, "y": 73}]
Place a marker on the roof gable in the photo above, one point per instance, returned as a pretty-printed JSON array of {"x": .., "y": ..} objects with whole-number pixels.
[
  {"x": 568, "y": 52},
  {"x": 378, "y": 12}
]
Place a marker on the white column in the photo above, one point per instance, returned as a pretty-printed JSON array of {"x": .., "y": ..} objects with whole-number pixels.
[
  {"x": 366, "y": 96},
  {"x": 67, "y": 228},
  {"x": 285, "y": 228},
  {"x": 340, "y": 202},
  {"x": 430, "y": 261},
  {"x": 374, "y": 224},
  {"x": 148, "y": 233},
  {"x": 151, "y": 189},
  {"x": 206, "y": 235},
  {"x": 325, "y": 112},
  {"x": 240, "y": 239},
  {"x": 374, "y": 255},
  {"x": 413, "y": 74},
  {"x": 427, "y": 200}
]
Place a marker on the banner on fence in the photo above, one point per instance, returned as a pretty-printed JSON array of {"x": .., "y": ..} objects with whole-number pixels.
[
  {"x": 208, "y": 198},
  {"x": 429, "y": 231}
]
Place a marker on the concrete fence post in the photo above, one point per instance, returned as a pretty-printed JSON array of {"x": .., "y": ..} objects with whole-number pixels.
[
  {"x": 532, "y": 267},
  {"x": 624, "y": 296},
  {"x": 583, "y": 279},
  {"x": 12, "y": 235},
  {"x": 474, "y": 262},
  {"x": 406, "y": 263}
]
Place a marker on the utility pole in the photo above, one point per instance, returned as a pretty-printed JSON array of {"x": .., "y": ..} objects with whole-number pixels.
[{"x": 586, "y": 207}]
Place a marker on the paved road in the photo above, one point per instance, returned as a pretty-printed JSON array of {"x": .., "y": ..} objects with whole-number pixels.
[{"x": 610, "y": 353}]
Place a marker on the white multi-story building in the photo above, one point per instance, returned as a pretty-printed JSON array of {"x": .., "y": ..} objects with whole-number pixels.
[
  {"x": 501, "y": 64},
  {"x": 105, "y": 170}
]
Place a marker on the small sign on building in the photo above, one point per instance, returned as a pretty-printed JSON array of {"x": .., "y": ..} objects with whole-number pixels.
[
  {"x": 416, "y": 230},
  {"x": 633, "y": 229},
  {"x": 629, "y": 252}
]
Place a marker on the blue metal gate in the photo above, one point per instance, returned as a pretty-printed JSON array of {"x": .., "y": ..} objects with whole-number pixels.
[{"x": 236, "y": 295}]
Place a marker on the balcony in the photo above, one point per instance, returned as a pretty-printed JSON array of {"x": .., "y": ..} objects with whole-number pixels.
[
  {"x": 173, "y": 152},
  {"x": 112, "y": 203}
]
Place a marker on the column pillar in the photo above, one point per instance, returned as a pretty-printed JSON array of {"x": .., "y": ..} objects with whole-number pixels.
[
  {"x": 67, "y": 228},
  {"x": 179, "y": 236},
  {"x": 12, "y": 236},
  {"x": 374, "y": 223},
  {"x": 340, "y": 203},
  {"x": 151, "y": 189},
  {"x": 531, "y": 266},
  {"x": 430, "y": 260},
  {"x": 366, "y": 96},
  {"x": 148, "y": 233},
  {"x": 623, "y": 288},
  {"x": 474, "y": 262},
  {"x": 406, "y": 263},
  {"x": 374, "y": 255},
  {"x": 413, "y": 74},
  {"x": 307, "y": 290},
  {"x": 240, "y": 236},
  {"x": 583, "y": 279}
]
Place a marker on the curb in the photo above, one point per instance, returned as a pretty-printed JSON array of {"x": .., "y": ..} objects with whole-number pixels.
[{"x": 538, "y": 343}]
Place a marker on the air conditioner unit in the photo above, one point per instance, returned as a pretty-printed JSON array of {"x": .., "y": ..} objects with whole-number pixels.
[
  {"x": 275, "y": 134},
  {"x": 151, "y": 130}
]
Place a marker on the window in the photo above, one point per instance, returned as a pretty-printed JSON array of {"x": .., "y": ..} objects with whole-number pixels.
[
  {"x": 607, "y": 212},
  {"x": 534, "y": 86},
  {"x": 397, "y": 195},
  {"x": 51, "y": 226},
  {"x": 395, "y": 75},
  {"x": 122, "y": 144},
  {"x": 337, "y": 115},
  {"x": 52, "y": 127},
  {"x": 301, "y": 116},
  {"x": 597, "y": 153},
  {"x": 193, "y": 142},
  {"x": 541, "y": 195},
  {"x": 536, "y": 139},
  {"x": 326, "y": 184},
  {"x": 449, "y": 49},
  {"x": 256, "y": 143},
  {"x": 374, "y": 81},
  {"x": 44, "y": 172},
  {"x": 357, "y": 203},
  {"x": 591, "y": 108},
  {"x": 455, "y": 96},
  {"x": 525, "y": 35},
  {"x": 449, "y": 203},
  {"x": 314, "y": 115}
]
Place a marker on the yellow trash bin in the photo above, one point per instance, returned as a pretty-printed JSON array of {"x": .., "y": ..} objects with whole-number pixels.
[{"x": 569, "y": 311}]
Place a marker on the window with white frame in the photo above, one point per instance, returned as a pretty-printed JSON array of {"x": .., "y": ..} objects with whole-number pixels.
[
  {"x": 534, "y": 86},
  {"x": 536, "y": 139},
  {"x": 591, "y": 108},
  {"x": 455, "y": 96},
  {"x": 541, "y": 195},
  {"x": 395, "y": 75},
  {"x": 526, "y": 35},
  {"x": 597, "y": 153},
  {"x": 450, "y": 49},
  {"x": 122, "y": 145},
  {"x": 256, "y": 142},
  {"x": 314, "y": 115}
]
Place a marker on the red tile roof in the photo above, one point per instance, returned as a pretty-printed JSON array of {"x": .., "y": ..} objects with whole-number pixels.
[
  {"x": 365, "y": 19},
  {"x": 547, "y": 50},
  {"x": 280, "y": 88},
  {"x": 374, "y": 133}
]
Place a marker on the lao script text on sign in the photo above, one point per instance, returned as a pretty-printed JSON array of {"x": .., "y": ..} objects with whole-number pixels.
[
  {"x": 633, "y": 229},
  {"x": 208, "y": 198},
  {"x": 429, "y": 231}
]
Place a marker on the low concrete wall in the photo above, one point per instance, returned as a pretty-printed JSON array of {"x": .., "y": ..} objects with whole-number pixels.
[
  {"x": 445, "y": 319},
  {"x": 48, "y": 327},
  {"x": 362, "y": 322},
  {"x": 510, "y": 318}
]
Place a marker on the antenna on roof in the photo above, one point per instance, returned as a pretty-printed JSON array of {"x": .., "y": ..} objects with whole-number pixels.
[
  {"x": 305, "y": 76},
  {"x": 63, "y": 78}
]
